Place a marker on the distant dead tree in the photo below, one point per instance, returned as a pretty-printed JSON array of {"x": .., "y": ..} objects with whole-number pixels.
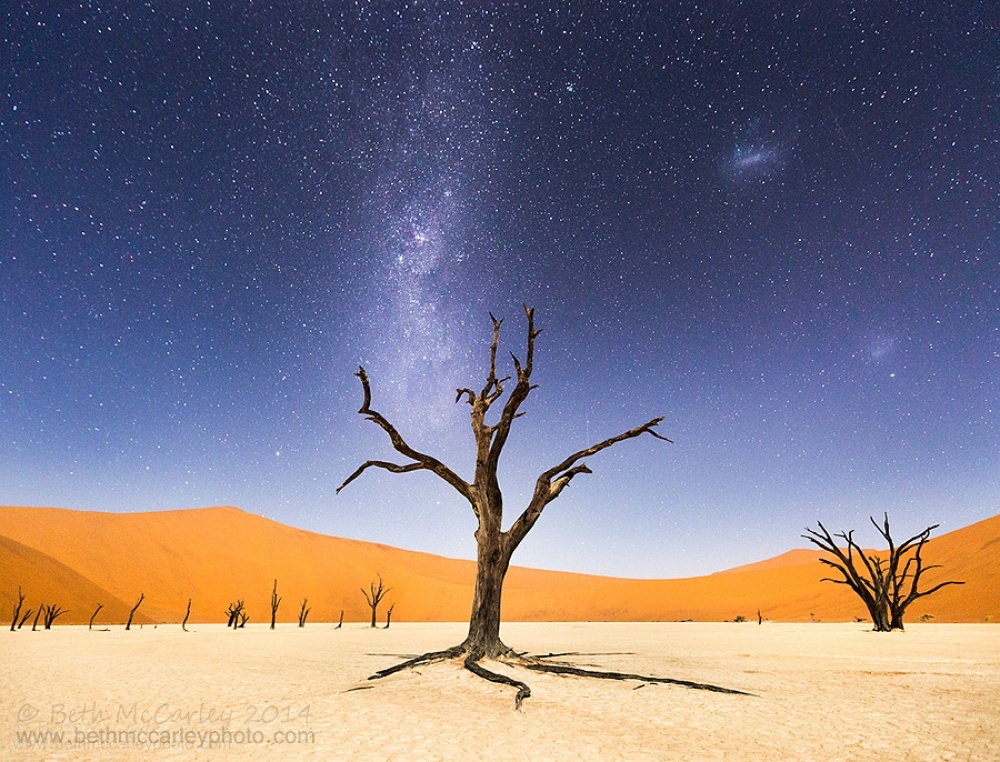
[
  {"x": 303, "y": 612},
  {"x": 51, "y": 613},
  {"x": 341, "y": 622},
  {"x": 90, "y": 624},
  {"x": 17, "y": 609},
  {"x": 234, "y": 613},
  {"x": 888, "y": 582},
  {"x": 244, "y": 618},
  {"x": 186, "y": 616},
  {"x": 38, "y": 614},
  {"x": 24, "y": 618},
  {"x": 374, "y": 596},
  {"x": 388, "y": 616},
  {"x": 275, "y": 602},
  {"x": 483, "y": 493},
  {"x": 128, "y": 624}
]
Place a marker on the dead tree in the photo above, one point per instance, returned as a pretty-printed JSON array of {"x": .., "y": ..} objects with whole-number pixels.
[
  {"x": 275, "y": 602},
  {"x": 887, "y": 582},
  {"x": 24, "y": 618},
  {"x": 374, "y": 596},
  {"x": 388, "y": 616},
  {"x": 51, "y": 613},
  {"x": 90, "y": 624},
  {"x": 186, "y": 616},
  {"x": 303, "y": 612},
  {"x": 483, "y": 493},
  {"x": 38, "y": 614},
  {"x": 128, "y": 624},
  {"x": 234, "y": 612},
  {"x": 17, "y": 609},
  {"x": 244, "y": 618},
  {"x": 341, "y": 622}
]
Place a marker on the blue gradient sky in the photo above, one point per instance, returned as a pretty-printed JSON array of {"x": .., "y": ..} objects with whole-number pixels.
[{"x": 777, "y": 228}]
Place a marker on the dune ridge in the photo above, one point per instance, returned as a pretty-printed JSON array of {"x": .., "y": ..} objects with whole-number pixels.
[{"x": 213, "y": 556}]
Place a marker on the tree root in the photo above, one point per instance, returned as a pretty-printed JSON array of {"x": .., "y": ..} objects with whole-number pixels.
[
  {"x": 566, "y": 669},
  {"x": 448, "y": 653},
  {"x": 523, "y": 691},
  {"x": 538, "y": 664}
]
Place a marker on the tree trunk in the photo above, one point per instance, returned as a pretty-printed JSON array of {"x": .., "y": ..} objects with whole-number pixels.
[{"x": 483, "y": 640}]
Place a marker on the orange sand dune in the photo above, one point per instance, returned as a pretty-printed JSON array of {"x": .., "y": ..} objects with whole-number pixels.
[
  {"x": 216, "y": 555},
  {"x": 51, "y": 582}
]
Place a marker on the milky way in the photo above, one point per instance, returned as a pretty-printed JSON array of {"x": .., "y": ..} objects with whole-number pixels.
[{"x": 777, "y": 227}]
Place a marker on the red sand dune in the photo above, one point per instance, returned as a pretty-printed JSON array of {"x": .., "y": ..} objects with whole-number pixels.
[{"x": 78, "y": 559}]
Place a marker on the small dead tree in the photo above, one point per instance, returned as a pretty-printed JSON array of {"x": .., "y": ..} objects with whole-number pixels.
[
  {"x": 303, "y": 612},
  {"x": 51, "y": 613},
  {"x": 24, "y": 618},
  {"x": 494, "y": 545},
  {"x": 887, "y": 582},
  {"x": 128, "y": 624},
  {"x": 341, "y": 622},
  {"x": 244, "y": 618},
  {"x": 275, "y": 602},
  {"x": 90, "y": 624},
  {"x": 374, "y": 596},
  {"x": 234, "y": 612},
  {"x": 186, "y": 616},
  {"x": 388, "y": 616},
  {"x": 17, "y": 609},
  {"x": 38, "y": 614}
]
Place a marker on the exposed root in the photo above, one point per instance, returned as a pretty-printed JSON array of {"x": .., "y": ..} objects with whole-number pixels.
[
  {"x": 538, "y": 664},
  {"x": 565, "y": 669},
  {"x": 448, "y": 653},
  {"x": 575, "y": 653},
  {"x": 523, "y": 691}
]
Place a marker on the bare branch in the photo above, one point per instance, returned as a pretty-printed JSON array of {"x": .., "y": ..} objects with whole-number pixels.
[
  {"x": 523, "y": 387},
  {"x": 646, "y": 428},
  {"x": 394, "y": 467},
  {"x": 552, "y": 482},
  {"x": 422, "y": 460}
]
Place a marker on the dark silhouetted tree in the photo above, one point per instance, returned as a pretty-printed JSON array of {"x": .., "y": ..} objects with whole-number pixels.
[
  {"x": 187, "y": 615},
  {"x": 303, "y": 612},
  {"x": 341, "y": 622},
  {"x": 234, "y": 612},
  {"x": 495, "y": 545},
  {"x": 388, "y": 616},
  {"x": 24, "y": 618},
  {"x": 887, "y": 582},
  {"x": 38, "y": 614},
  {"x": 17, "y": 609},
  {"x": 374, "y": 596},
  {"x": 51, "y": 613},
  {"x": 128, "y": 624},
  {"x": 275, "y": 602},
  {"x": 90, "y": 624}
]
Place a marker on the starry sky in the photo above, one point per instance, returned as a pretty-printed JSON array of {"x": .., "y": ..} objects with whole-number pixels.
[{"x": 775, "y": 224}]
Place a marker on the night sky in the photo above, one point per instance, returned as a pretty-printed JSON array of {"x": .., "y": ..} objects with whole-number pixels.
[{"x": 775, "y": 224}]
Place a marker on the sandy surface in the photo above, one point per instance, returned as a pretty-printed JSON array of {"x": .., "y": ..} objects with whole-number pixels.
[{"x": 821, "y": 692}]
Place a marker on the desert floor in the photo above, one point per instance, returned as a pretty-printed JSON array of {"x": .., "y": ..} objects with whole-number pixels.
[{"x": 820, "y": 692}]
